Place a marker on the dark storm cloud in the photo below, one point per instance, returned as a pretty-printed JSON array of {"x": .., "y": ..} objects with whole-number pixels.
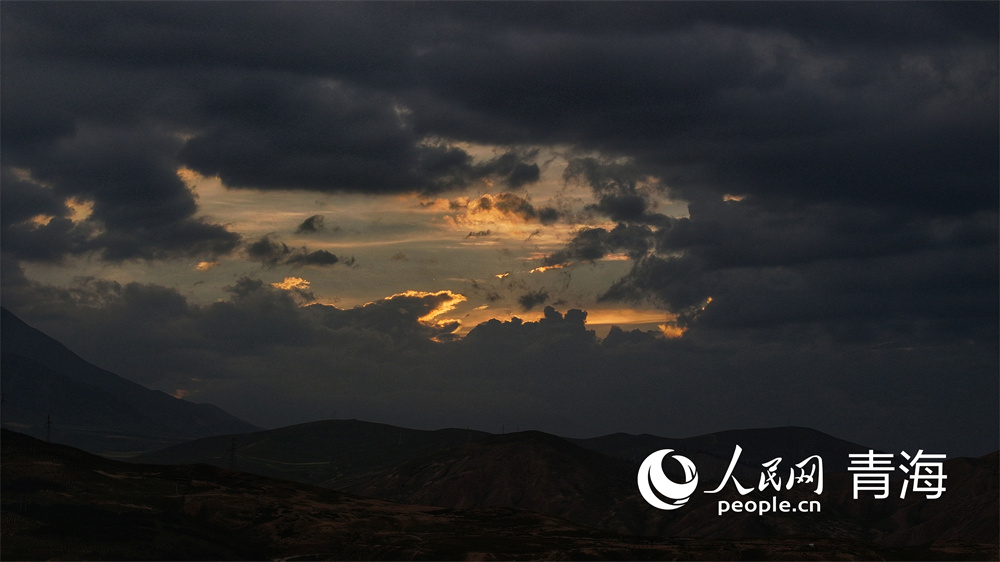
[
  {"x": 511, "y": 168},
  {"x": 327, "y": 135},
  {"x": 21, "y": 200},
  {"x": 618, "y": 189},
  {"x": 860, "y": 272},
  {"x": 272, "y": 253},
  {"x": 751, "y": 88},
  {"x": 507, "y": 203},
  {"x": 311, "y": 225},
  {"x": 718, "y": 106},
  {"x": 587, "y": 245},
  {"x": 531, "y": 299},
  {"x": 378, "y": 362},
  {"x": 139, "y": 207},
  {"x": 708, "y": 98},
  {"x": 591, "y": 244},
  {"x": 317, "y": 257},
  {"x": 398, "y": 316},
  {"x": 267, "y": 251},
  {"x": 256, "y": 319},
  {"x": 99, "y": 113}
]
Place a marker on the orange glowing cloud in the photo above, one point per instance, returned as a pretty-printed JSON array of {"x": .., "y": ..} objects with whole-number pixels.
[
  {"x": 42, "y": 220},
  {"x": 187, "y": 175},
  {"x": 446, "y": 302},
  {"x": 544, "y": 268},
  {"x": 206, "y": 265},
  {"x": 500, "y": 210},
  {"x": 79, "y": 210},
  {"x": 616, "y": 257},
  {"x": 671, "y": 330},
  {"x": 625, "y": 316},
  {"x": 292, "y": 283}
]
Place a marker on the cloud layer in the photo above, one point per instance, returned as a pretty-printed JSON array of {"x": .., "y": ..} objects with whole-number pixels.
[{"x": 262, "y": 356}]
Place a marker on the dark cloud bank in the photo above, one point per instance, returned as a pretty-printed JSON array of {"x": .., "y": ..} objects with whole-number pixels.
[
  {"x": 262, "y": 356},
  {"x": 852, "y": 268}
]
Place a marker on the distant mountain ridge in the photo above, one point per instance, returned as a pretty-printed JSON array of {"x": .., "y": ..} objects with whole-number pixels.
[
  {"x": 330, "y": 453},
  {"x": 342, "y": 453},
  {"x": 90, "y": 407}
]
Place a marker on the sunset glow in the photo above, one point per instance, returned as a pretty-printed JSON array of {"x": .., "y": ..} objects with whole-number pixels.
[
  {"x": 446, "y": 302},
  {"x": 672, "y": 330},
  {"x": 291, "y": 283},
  {"x": 206, "y": 265}
]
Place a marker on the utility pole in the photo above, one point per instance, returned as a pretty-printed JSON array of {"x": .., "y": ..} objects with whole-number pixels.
[{"x": 48, "y": 427}]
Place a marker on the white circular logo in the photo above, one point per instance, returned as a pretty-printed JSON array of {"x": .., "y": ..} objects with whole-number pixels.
[{"x": 651, "y": 476}]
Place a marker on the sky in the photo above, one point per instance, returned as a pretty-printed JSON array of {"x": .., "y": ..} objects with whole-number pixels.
[{"x": 582, "y": 218}]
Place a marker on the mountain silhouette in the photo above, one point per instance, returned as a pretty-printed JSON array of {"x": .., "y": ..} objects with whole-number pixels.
[{"x": 90, "y": 407}]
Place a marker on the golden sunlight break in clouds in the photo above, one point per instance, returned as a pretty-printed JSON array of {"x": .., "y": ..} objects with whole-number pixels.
[
  {"x": 291, "y": 283},
  {"x": 79, "y": 210},
  {"x": 672, "y": 330},
  {"x": 42, "y": 220},
  {"x": 206, "y": 265},
  {"x": 502, "y": 209},
  {"x": 449, "y": 301},
  {"x": 544, "y": 268}
]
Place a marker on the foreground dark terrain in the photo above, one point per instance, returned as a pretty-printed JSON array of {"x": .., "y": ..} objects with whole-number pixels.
[
  {"x": 592, "y": 482},
  {"x": 62, "y": 503}
]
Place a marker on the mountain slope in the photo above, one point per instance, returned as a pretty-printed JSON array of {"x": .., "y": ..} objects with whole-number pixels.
[{"x": 90, "y": 407}]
